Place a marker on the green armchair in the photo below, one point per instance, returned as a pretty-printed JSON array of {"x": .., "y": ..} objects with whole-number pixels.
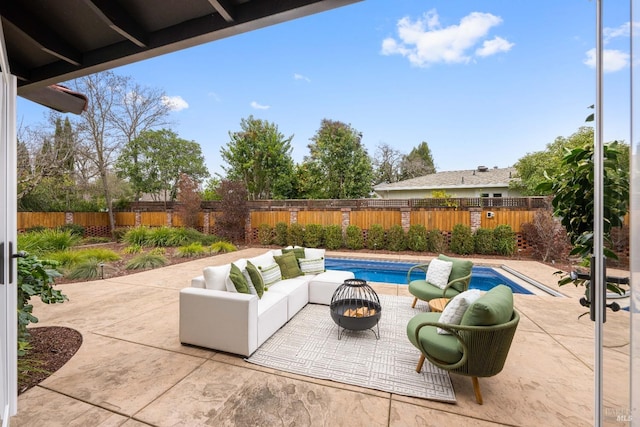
[
  {"x": 459, "y": 279},
  {"x": 478, "y": 347}
]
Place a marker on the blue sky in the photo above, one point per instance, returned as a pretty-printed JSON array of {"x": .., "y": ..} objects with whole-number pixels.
[{"x": 482, "y": 82}]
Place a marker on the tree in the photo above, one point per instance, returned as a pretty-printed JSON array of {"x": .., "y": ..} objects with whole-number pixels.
[
  {"x": 387, "y": 164},
  {"x": 531, "y": 168},
  {"x": 573, "y": 191},
  {"x": 162, "y": 158},
  {"x": 338, "y": 166},
  {"x": 189, "y": 198},
  {"x": 260, "y": 156},
  {"x": 232, "y": 220},
  {"x": 418, "y": 162}
]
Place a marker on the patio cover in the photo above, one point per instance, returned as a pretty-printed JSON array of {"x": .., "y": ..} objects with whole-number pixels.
[{"x": 45, "y": 42}]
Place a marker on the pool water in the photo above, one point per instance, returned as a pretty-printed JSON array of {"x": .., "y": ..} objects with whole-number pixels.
[{"x": 483, "y": 278}]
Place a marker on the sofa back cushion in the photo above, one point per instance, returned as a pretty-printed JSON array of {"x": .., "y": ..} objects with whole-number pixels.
[
  {"x": 262, "y": 260},
  {"x": 313, "y": 253},
  {"x": 493, "y": 308},
  {"x": 460, "y": 268},
  {"x": 216, "y": 277},
  {"x": 288, "y": 265}
]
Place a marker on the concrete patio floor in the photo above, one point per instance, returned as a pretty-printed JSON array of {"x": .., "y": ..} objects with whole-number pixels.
[{"x": 131, "y": 369}]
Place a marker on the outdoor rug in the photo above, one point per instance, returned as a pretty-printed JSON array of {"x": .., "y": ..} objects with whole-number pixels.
[{"x": 308, "y": 345}]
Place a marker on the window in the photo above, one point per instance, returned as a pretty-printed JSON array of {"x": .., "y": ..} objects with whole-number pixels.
[
  {"x": 484, "y": 194},
  {"x": 497, "y": 194}
]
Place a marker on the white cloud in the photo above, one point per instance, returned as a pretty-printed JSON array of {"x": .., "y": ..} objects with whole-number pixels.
[
  {"x": 297, "y": 76},
  {"x": 214, "y": 96},
  {"x": 175, "y": 103},
  {"x": 612, "y": 60},
  {"x": 491, "y": 47},
  {"x": 624, "y": 30},
  {"x": 425, "y": 42},
  {"x": 257, "y": 106}
]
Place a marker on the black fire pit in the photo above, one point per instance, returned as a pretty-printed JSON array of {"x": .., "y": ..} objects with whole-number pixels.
[{"x": 355, "y": 306}]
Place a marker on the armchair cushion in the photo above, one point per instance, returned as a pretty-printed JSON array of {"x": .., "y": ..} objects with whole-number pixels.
[
  {"x": 455, "y": 309},
  {"x": 493, "y": 308},
  {"x": 426, "y": 291},
  {"x": 441, "y": 347},
  {"x": 460, "y": 268},
  {"x": 438, "y": 272}
]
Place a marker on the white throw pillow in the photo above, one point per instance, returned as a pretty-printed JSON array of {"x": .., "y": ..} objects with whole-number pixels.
[
  {"x": 215, "y": 277},
  {"x": 438, "y": 272},
  {"x": 453, "y": 312},
  {"x": 311, "y": 265},
  {"x": 270, "y": 274}
]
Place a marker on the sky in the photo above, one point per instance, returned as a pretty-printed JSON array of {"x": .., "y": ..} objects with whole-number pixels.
[{"x": 482, "y": 82}]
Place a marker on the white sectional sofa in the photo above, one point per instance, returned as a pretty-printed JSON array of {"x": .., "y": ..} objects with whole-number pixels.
[{"x": 214, "y": 315}]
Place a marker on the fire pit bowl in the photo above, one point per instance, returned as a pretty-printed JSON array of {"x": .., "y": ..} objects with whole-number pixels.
[{"x": 355, "y": 306}]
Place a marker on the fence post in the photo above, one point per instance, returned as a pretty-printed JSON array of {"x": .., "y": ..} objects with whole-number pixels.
[
  {"x": 68, "y": 217},
  {"x": 405, "y": 218},
  {"x": 293, "y": 215},
  {"x": 138, "y": 218},
  {"x": 205, "y": 221},
  {"x": 475, "y": 219},
  {"x": 169, "y": 217},
  {"x": 346, "y": 219}
]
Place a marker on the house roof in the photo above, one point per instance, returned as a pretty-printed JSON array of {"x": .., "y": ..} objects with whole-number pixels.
[
  {"x": 472, "y": 178},
  {"x": 47, "y": 42}
]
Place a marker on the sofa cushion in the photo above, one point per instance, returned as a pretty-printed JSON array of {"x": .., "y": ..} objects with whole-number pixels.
[
  {"x": 455, "y": 309},
  {"x": 311, "y": 265},
  {"x": 216, "y": 277},
  {"x": 256, "y": 278},
  {"x": 459, "y": 269},
  {"x": 298, "y": 252},
  {"x": 236, "y": 281},
  {"x": 288, "y": 265},
  {"x": 270, "y": 274},
  {"x": 262, "y": 260},
  {"x": 493, "y": 308},
  {"x": 438, "y": 272},
  {"x": 313, "y": 253}
]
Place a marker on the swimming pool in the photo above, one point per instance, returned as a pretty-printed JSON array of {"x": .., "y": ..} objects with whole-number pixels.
[{"x": 483, "y": 278}]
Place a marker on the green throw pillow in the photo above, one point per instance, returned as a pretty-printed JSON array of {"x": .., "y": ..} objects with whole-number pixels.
[
  {"x": 288, "y": 265},
  {"x": 460, "y": 268},
  {"x": 493, "y": 308},
  {"x": 256, "y": 278},
  {"x": 298, "y": 252},
  {"x": 238, "y": 280}
]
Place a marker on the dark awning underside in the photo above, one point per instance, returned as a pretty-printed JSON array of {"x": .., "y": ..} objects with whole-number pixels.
[{"x": 52, "y": 41}]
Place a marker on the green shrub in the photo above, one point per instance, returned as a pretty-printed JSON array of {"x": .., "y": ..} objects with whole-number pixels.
[
  {"x": 504, "y": 239},
  {"x": 88, "y": 269},
  {"x": 190, "y": 250},
  {"x": 313, "y": 235},
  {"x": 483, "y": 241},
  {"x": 417, "y": 238},
  {"x": 333, "y": 237},
  {"x": 265, "y": 234},
  {"x": 132, "y": 249},
  {"x": 94, "y": 240},
  {"x": 461, "y": 240},
  {"x": 375, "y": 237},
  {"x": 435, "y": 241},
  {"x": 296, "y": 235},
  {"x": 182, "y": 236},
  {"x": 119, "y": 233},
  {"x": 35, "y": 277},
  {"x": 146, "y": 260},
  {"x": 281, "y": 234},
  {"x": 161, "y": 236},
  {"x": 354, "y": 239},
  {"x": 222, "y": 247},
  {"x": 137, "y": 236},
  {"x": 36, "y": 229},
  {"x": 48, "y": 240},
  {"x": 396, "y": 239},
  {"x": 75, "y": 229}
]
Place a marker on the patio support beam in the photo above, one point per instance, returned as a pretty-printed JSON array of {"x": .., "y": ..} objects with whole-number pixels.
[
  {"x": 119, "y": 20},
  {"x": 39, "y": 33},
  {"x": 224, "y": 8}
]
